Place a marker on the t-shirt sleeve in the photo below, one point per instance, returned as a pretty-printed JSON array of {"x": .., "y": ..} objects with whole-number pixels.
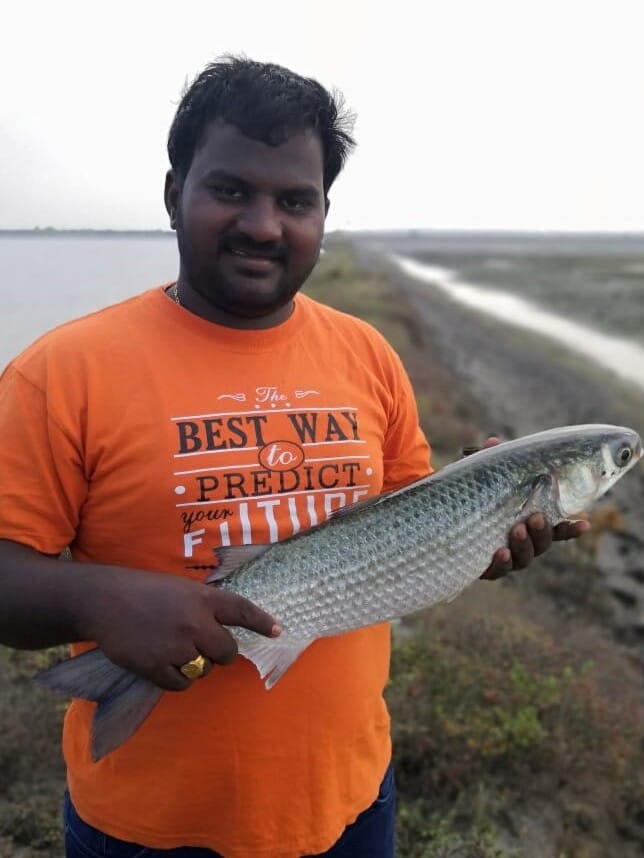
[
  {"x": 42, "y": 480},
  {"x": 406, "y": 453}
]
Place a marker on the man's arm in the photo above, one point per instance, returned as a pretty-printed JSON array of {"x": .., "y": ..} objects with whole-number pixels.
[{"x": 148, "y": 622}]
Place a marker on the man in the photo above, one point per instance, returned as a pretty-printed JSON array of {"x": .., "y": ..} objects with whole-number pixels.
[{"x": 225, "y": 409}]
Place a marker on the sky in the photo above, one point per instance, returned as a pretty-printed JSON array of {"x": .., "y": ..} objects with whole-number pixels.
[{"x": 471, "y": 114}]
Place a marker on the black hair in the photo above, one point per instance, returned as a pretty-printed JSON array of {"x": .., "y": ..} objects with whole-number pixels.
[{"x": 265, "y": 102}]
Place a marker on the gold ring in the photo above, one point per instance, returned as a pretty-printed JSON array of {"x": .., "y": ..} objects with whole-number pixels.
[{"x": 194, "y": 668}]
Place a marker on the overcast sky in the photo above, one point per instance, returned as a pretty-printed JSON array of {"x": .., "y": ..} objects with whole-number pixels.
[{"x": 514, "y": 114}]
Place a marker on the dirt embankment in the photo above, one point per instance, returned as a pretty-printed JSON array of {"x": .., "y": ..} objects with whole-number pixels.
[{"x": 512, "y": 383}]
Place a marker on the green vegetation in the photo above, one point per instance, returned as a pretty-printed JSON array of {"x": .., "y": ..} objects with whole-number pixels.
[
  {"x": 492, "y": 716},
  {"x": 32, "y": 777}
]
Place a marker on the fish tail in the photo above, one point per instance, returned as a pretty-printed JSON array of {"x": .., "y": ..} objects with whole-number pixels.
[{"x": 124, "y": 699}]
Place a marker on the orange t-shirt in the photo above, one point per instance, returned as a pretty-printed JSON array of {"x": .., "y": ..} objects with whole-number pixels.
[{"x": 145, "y": 436}]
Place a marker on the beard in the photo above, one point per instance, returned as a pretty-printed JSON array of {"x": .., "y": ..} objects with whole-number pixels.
[{"x": 228, "y": 284}]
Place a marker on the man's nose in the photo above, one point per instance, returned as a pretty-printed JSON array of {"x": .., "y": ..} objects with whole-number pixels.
[{"x": 261, "y": 220}]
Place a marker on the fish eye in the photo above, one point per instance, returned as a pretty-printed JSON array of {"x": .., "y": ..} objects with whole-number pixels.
[{"x": 623, "y": 456}]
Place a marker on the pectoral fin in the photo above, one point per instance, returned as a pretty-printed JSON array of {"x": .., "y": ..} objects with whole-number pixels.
[{"x": 543, "y": 496}]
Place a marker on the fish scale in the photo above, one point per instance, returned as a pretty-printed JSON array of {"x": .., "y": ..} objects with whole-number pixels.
[{"x": 381, "y": 559}]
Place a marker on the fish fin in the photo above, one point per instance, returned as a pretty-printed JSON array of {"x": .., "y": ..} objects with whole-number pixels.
[
  {"x": 272, "y": 657},
  {"x": 124, "y": 699},
  {"x": 90, "y": 675},
  {"x": 231, "y": 557},
  {"x": 120, "y": 714},
  {"x": 544, "y": 492}
]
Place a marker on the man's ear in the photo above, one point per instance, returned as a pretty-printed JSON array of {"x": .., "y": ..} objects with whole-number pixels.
[{"x": 171, "y": 196}]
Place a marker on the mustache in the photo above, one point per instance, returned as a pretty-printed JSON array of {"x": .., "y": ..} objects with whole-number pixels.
[{"x": 266, "y": 250}]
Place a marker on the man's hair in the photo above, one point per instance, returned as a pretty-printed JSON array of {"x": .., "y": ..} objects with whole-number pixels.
[{"x": 266, "y": 102}]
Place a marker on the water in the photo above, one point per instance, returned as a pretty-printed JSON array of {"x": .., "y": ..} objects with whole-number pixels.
[
  {"x": 45, "y": 281},
  {"x": 622, "y": 356}
]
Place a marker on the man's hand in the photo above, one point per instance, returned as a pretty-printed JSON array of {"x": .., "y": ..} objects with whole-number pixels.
[
  {"x": 528, "y": 539},
  {"x": 148, "y": 622},
  {"x": 153, "y": 623}
]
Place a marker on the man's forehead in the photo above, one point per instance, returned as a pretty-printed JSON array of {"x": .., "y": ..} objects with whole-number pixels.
[{"x": 298, "y": 157}]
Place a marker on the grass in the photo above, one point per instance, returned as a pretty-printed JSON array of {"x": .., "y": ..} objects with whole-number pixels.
[
  {"x": 32, "y": 777},
  {"x": 489, "y": 713}
]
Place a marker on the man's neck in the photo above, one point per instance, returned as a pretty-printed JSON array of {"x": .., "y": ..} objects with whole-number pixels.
[{"x": 185, "y": 296}]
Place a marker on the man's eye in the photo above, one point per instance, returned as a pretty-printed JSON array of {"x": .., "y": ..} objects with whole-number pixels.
[
  {"x": 296, "y": 204},
  {"x": 227, "y": 192}
]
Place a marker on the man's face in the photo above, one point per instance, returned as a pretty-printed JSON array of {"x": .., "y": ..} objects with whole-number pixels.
[{"x": 249, "y": 220}]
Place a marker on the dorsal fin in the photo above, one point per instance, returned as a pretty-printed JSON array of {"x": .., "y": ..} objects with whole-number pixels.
[{"x": 231, "y": 557}]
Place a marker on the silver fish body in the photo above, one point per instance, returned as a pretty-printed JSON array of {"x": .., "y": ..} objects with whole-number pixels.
[
  {"x": 423, "y": 544},
  {"x": 382, "y": 559}
]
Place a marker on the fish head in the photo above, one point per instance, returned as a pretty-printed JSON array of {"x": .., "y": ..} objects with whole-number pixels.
[{"x": 589, "y": 468}]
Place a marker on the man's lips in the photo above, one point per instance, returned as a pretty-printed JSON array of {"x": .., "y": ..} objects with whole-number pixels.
[
  {"x": 256, "y": 260},
  {"x": 254, "y": 253}
]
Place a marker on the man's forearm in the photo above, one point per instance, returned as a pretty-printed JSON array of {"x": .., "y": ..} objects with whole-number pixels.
[{"x": 43, "y": 601}]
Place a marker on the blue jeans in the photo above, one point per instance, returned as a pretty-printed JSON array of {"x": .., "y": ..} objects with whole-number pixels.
[{"x": 372, "y": 835}]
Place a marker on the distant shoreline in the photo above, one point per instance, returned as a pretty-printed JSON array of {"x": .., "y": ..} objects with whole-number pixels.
[
  {"x": 50, "y": 232},
  {"x": 456, "y": 235},
  {"x": 434, "y": 243}
]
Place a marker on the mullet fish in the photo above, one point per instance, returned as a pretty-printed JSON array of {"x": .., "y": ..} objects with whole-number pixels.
[{"x": 378, "y": 560}]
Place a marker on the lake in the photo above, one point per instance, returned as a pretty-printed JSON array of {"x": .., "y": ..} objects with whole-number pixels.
[
  {"x": 622, "y": 356},
  {"x": 47, "y": 280}
]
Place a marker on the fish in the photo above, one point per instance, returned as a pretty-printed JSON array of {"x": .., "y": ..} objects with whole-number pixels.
[{"x": 377, "y": 560}]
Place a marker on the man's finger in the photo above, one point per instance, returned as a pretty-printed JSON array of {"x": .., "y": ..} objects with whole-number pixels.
[
  {"x": 501, "y": 565},
  {"x": 217, "y": 644},
  {"x": 492, "y": 441},
  {"x": 170, "y": 679},
  {"x": 230, "y": 609},
  {"x": 570, "y": 529},
  {"x": 540, "y": 532},
  {"x": 521, "y": 546}
]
